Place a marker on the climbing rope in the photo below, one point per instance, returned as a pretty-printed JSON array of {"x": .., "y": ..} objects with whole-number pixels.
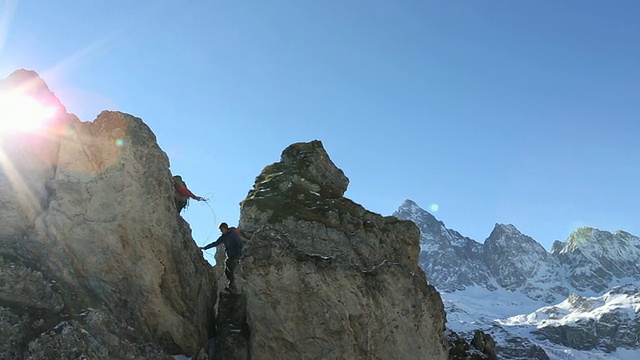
[
  {"x": 207, "y": 198},
  {"x": 206, "y": 201}
]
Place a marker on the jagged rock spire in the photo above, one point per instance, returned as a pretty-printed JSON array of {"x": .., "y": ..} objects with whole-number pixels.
[{"x": 324, "y": 277}]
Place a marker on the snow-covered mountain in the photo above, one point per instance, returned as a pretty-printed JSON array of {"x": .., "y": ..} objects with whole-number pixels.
[
  {"x": 605, "y": 322},
  {"x": 595, "y": 259},
  {"x": 579, "y": 301}
]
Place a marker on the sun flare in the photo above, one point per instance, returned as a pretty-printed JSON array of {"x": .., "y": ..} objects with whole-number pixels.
[{"x": 20, "y": 112}]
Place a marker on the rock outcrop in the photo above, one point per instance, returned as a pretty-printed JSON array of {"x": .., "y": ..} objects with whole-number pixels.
[
  {"x": 323, "y": 278},
  {"x": 96, "y": 263},
  {"x": 482, "y": 347},
  {"x": 94, "y": 260}
]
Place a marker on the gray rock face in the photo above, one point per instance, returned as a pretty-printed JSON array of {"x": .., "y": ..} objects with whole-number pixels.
[
  {"x": 323, "y": 278},
  {"x": 517, "y": 261},
  {"x": 94, "y": 260},
  {"x": 452, "y": 262},
  {"x": 482, "y": 347},
  {"x": 513, "y": 257}
]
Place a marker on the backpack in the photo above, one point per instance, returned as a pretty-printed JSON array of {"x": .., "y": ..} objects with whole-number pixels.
[
  {"x": 237, "y": 231},
  {"x": 177, "y": 181}
]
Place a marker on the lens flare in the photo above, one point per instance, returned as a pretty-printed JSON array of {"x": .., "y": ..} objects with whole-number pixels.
[
  {"x": 434, "y": 207},
  {"x": 22, "y": 113}
]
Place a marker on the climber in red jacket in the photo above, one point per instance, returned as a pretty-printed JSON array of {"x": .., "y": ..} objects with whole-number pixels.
[{"x": 182, "y": 194}]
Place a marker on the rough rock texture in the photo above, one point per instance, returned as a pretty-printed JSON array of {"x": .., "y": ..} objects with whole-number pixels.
[
  {"x": 482, "y": 347},
  {"x": 323, "y": 278},
  {"x": 94, "y": 260},
  {"x": 452, "y": 262},
  {"x": 485, "y": 344},
  {"x": 517, "y": 261},
  {"x": 519, "y": 348}
]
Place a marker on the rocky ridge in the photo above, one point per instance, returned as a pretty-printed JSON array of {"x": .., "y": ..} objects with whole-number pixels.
[
  {"x": 594, "y": 259},
  {"x": 588, "y": 266}
]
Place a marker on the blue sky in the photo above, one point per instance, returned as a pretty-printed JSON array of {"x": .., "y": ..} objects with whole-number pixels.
[{"x": 483, "y": 112}]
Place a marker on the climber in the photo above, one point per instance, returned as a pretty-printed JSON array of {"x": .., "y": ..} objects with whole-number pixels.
[
  {"x": 233, "y": 247},
  {"x": 182, "y": 194}
]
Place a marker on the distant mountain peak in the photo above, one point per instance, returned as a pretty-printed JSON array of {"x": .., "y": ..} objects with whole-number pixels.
[
  {"x": 410, "y": 203},
  {"x": 505, "y": 230},
  {"x": 409, "y": 210},
  {"x": 410, "y": 207},
  {"x": 507, "y": 235},
  {"x": 582, "y": 233},
  {"x": 593, "y": 240}
]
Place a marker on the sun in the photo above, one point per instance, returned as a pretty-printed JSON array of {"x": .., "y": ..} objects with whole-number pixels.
[{"x": 20, "y": 112}]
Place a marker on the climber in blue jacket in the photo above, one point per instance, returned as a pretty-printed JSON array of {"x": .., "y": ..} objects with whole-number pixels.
[{"x": 233, "y": 248}]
